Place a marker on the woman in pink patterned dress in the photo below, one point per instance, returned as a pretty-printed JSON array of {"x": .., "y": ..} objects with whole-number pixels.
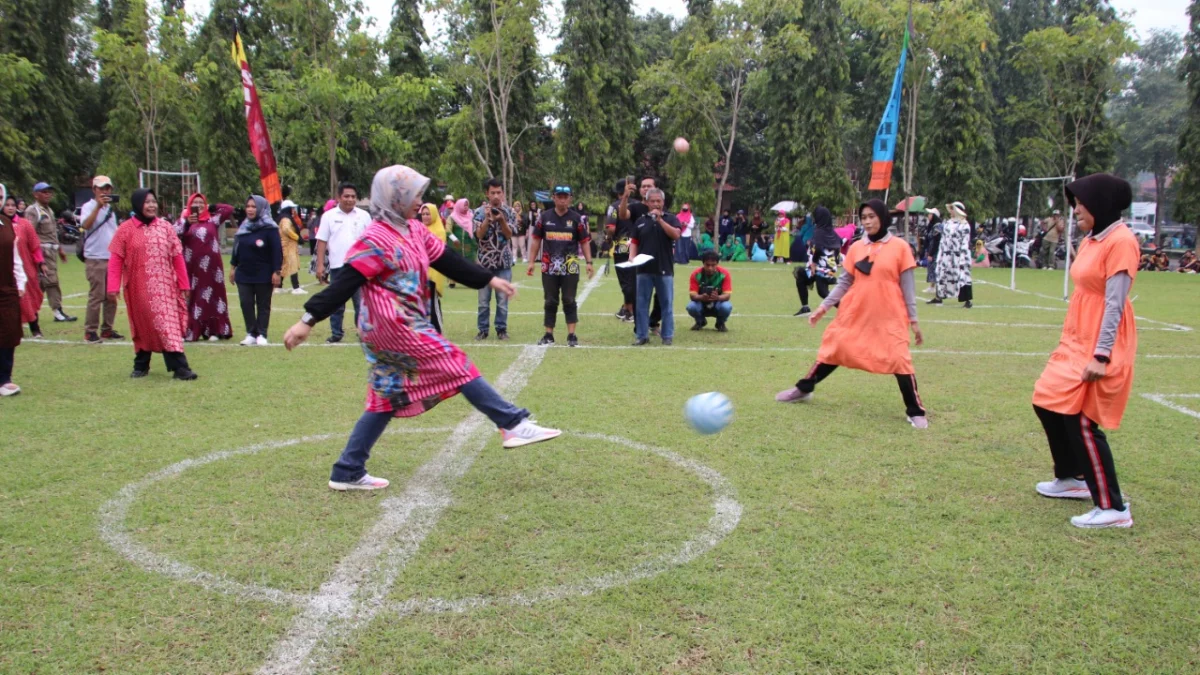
[
  {"x": 147, "y": 263},
  {"x": 208, "y": 306},
  {"x": 412, "y": 367}
]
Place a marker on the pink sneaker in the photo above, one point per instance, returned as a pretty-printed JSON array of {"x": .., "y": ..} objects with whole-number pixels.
[
  {"x": 367, "y": 482},
  {"x": 793, "y": 395}
]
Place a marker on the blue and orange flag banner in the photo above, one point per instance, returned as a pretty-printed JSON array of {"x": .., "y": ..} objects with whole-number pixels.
[
  {"x": 884, "y": 152},
  {"x": 256, "y": 125}
]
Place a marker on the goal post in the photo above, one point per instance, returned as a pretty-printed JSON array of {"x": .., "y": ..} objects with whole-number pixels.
[
  {"x": 175, "y": 191},
  {"x": 1012, "y": 283}
]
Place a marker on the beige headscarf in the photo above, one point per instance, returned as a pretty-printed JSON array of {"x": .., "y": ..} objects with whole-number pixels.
[{"x": 393, "y": 193}]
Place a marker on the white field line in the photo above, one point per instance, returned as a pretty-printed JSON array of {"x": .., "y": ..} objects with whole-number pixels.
[
  {"x": 520, "y": 345},
  {"x": 114, "y": 512},
  {"x": 359, "y": 586},
  {"x": 1164, "y": 399},
  {"x": 1174, "y": 326}
]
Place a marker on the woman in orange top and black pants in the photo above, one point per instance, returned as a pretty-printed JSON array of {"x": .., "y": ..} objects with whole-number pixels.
[
  {"x": 1087, "y": 382},
  {"x": 878, "y": 306}
]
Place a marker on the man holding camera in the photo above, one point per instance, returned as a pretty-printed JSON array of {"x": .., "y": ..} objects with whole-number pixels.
[
  {"x": 45, "y": 224},
  {"x": 98, "y": 220},
  {"x": 710, "y": 288},
  {"x": 495, "y": 223}
]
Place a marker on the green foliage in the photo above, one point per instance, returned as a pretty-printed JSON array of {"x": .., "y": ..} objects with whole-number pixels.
[
  {"x": 803, "y": 96},
  {"x": 404, "y": 40},
  {"x": 18, "y": 81},
  {"x": 598, "y": 124},
  {"x": 1187, "y": 207},
  {"x": 1071, "y": 70}
]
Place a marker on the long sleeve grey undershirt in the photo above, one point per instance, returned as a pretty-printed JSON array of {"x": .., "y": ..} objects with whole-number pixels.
[
  {"x": 908, "y": 286},
  {"x": 1116, "y": 289}
]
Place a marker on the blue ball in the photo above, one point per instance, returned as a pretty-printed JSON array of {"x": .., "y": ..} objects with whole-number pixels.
[{"x": 709, "y": 413}]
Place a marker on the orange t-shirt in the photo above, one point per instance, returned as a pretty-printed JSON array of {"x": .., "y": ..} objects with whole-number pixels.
[
  {"x": 870, "y": 331},
  {"x": 1061, "y": 388}
]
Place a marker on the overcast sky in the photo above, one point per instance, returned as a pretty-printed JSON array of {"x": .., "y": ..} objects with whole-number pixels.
[{"x": 1144, "y": 14}]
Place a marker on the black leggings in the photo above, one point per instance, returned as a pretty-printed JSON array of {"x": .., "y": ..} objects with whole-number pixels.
[
  {"x": 1079, "y": 448},
  {"x": 822, "y": 287},
  {"x": 256, "y": 307},
  {"x": 627, "y": 278},
  {"x": 801, "y": 275},
  {"x": 174, "y": 360},
  {"x": 295, "y": 281},
  {"x": 6, "y": 364},
  {"x": 555, "y": 285},
  {"x": 908, "y": 387},
  {"x": 435, "y": 308}
]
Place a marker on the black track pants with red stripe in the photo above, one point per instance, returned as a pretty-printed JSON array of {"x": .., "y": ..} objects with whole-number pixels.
[
  {"x": 908, "y": 387},
  {"x": 1080, "y": 448}
]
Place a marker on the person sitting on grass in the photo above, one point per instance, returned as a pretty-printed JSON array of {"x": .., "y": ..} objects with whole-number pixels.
[
  {"x": 734, "y": 250},
  {"x": 1189, "y": 263},
  {"x": 710, "y": 288}
]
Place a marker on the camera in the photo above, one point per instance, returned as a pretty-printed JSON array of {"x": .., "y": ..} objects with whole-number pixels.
[
  {"x": 113, "y": 199},
  {"x": 495, "y": 211},
  {"x": 708, "y": 290}
]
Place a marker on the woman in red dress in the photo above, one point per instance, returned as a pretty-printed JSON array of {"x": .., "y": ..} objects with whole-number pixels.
[
  {"x": 147, "y": 263},
  {"x": 31, "y": 258},
  {"x": 12, "y": 287},
  {"x": 208, "y": 306}
]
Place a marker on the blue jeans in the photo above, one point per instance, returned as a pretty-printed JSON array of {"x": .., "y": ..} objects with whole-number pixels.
[
  {"x": 664, "y": 287},
  {"x": 485, "y": 301},
  {"x": 352, "y": 465},
  {"x": 721, "y": 310},
  {"x": 335, "y": 319}
]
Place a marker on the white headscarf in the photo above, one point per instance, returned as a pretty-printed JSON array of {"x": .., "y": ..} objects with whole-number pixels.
[
  {"x": 3, "y": 193},
  {"x": 393, "y": 192}
]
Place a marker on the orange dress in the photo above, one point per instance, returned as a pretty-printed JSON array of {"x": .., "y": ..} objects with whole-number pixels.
[
  {"x": 870, "y": 331},
  {"x": 1060, "y": 388}
]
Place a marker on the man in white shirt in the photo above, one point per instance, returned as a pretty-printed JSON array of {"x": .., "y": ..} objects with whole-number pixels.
[
  {"x": 98, "y": 221},
  {"x": 340, "y": 228}
]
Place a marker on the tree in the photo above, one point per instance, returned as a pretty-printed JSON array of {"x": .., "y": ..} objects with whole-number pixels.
[
  {"x": 405, "y": 38},
  {"x": 1070, "y": 70},
  {"x": 803, "y": 98},
  {"x": 960, "y": 150},
  {"x": 598, "y": 124},
  {"x": 1150, "y": 115},
  {"x": 1187, "y": 207},
  {"x": 18, "y": 80}
]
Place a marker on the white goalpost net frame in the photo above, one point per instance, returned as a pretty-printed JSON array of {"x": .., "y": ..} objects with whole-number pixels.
[
  {"x": 1012, "y": 283},
  {"x": 187, "y": 179}
]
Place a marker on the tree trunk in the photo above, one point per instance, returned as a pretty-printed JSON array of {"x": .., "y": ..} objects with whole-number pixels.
[
  {"x": 1159, "y": 180},
  {"x": 331, "y": 138}
]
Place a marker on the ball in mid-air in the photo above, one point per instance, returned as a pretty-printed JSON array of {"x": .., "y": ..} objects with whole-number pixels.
[
  {"x": 682, "y": 146},
  {"x": 708, "y": 413}
]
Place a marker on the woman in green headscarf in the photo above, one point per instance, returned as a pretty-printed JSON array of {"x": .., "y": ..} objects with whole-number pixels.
[{"x": 734, "y": 250}]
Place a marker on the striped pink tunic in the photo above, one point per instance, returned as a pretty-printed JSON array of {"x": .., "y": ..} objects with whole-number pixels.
[{"x": 412, "y": 366}]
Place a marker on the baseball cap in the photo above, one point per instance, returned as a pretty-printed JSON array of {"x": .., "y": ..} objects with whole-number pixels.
[
  {"x": 449, "y": 198},
  {"x": 562, "y": 189},
  {"x": 42, "y": 186},
  {"x": 101, "y": 181}
]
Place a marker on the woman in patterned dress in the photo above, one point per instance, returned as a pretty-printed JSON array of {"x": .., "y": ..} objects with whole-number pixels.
[
  {"x": 147, "y": 263},
  {"x": 826, "y": 252},
  {"x": 954, "y": 258},
  {"x": 208, "y": 306},
  {"x": 411, "y": 367}
]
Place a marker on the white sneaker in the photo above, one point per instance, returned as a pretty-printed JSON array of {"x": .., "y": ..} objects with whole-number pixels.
[
  {"x": 367, "y": 482},
  {"x": 213, "y": 338},
  {"x": 793, "y": 395},
  {"x": 299, "y": 291},
  {"x": 277, "y": 291},
  {"x": 1064, "y": 488},
  {"x": 249, "y": 341},
  {"x": 525, "y": 433},
  {"x": 262, "y": 341},
  {"x": 10, "y": 389},
  {"x": 1099, "y": 518},
  {"x": 919, "y": 422}
]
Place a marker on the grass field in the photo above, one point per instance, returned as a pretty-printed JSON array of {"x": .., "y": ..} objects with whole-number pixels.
[{"x": 863, "y": 545}]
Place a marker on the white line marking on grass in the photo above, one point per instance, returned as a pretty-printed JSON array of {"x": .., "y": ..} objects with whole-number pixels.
[
  {"x": 360, "y": 584},
  {"x": 1172, "y": 326},
  {"x": 1164, "y": 399},
  {"x": 114, "y": 512}
]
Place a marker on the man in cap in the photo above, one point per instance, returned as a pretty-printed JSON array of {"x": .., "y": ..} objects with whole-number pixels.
[
  {"x": 558, "y": 238},
  {"x": 98, "y": 220},
  {"x": 42, "y": 216}
]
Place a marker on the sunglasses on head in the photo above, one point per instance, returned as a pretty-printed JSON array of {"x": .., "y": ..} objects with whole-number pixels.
[{"x": 562, "y": 190}]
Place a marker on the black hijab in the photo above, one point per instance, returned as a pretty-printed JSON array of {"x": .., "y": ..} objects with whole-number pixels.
[
  {"x": 1105, "y": 197},
  {"x": 139, "y": 202},
  {"x": 824, "y": 238},
  {"x": 885, "y": 218}
]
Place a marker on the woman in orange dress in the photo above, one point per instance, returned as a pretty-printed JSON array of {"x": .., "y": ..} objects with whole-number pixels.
[
  {"x": 1087, "y": 382},
  {"x": 878, "y": 305}
]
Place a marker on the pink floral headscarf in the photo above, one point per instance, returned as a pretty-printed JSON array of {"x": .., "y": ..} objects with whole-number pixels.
[{"x": 394, "y": 192}]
